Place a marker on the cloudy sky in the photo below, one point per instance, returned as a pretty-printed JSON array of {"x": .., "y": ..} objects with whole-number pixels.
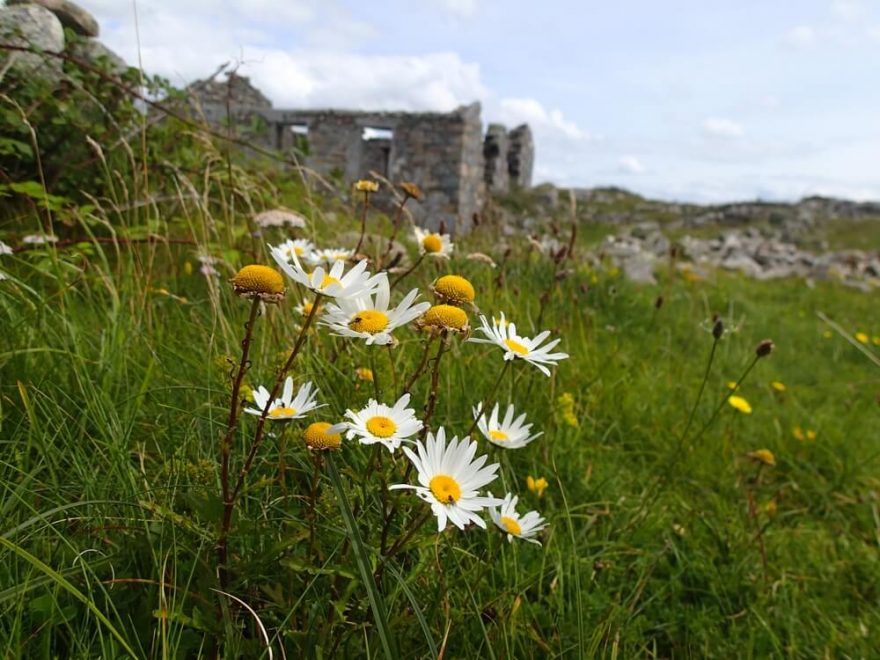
[{"x": 677, "y": 99}]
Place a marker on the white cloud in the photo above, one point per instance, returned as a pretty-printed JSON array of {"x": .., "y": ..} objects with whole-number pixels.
[
  {"x": 530, "y": 111},
  {"x": 846, "y": 9},
  {"x": 719, "y": 127},
  {"x": 460, "y": 8},
  {"x": 874, "y": 32},
  {"x": 630, "y": 165},
  {"x": 801, "y": 36}
]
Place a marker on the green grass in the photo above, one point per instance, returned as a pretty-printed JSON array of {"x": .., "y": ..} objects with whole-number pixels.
[{"x": 115, "y": 367}]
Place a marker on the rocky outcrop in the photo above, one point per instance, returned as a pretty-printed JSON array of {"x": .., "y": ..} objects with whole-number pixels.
[
  {"x": 69, "y": 13},
  {"x": 34, "y": 27},
  {"x": 750, "y": 252}
]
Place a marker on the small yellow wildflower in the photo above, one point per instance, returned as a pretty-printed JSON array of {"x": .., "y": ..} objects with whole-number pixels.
[
  {"x": 566, "y": 409},
  {"x": 811, "y": 434},
  {"x": 770, "y": 508},
  {"x": 537, "y": 486},
  {"x": 875, "y": 341},
  {"x": 798, "y": 433},
  {"x": 778, "y": 386},
  {"x": 187, "y": 268},
  {"x": 366, "y": 186},
  {"x": 828, "y": 334},
  {"x": 732, "y": 385},
  {"x": 364, "y": 373},
  {"x": 862, "y": 337},
  {"x": 740, "y": 404},
  {"x": 763, "y": 456}
]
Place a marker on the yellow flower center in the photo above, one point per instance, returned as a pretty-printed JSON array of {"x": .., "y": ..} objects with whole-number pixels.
[
  {"x": 370, "y": 321},
  {"x": 299, "y": 250},
  {"x": 740, "y": 404},
  {"x": 328, "y": 280},
  {"x": 316, "y": 436},
  {"x": 455, "y": 288},
  {"x": 445, "y": 489},
  {"x": 282, "y": 411},
  {"x": 511, "y": 525},
  {"x": 432, "y": 243},
  {"x": 499, "y": 436},
  {"x": 307, "y": 308},
  {"x": 445, "y": 316},
  {"x": 516, "y": 347},
  {"x": 364, "y": 373},
  {"x": 257, "y": 279},
  {"x": 381, "y": 427}
]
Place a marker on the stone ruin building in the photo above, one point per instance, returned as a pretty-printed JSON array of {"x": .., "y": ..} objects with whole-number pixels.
[{"x": 446, "y": 154}]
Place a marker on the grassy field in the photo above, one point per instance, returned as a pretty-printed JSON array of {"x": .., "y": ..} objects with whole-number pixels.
[{"x": 116, "y": 364}]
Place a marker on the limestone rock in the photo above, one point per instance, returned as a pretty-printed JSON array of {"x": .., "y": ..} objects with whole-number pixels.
[
  {"x": 36, "y": 27},
  {"x": 69, "y": 13}
]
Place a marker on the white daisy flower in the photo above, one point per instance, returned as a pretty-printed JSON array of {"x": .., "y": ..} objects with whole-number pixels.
[
  {"x": 522, "y": 527},
  {"x": 383, "y": 424},
  {"x": 329, "y": 256},
  {"x": 4, "y": 249},
  {"x": 301, "y": 247},
  {"x": 510, "y": 433},
  {"x": 369, "y": 317},
  {"x": 450, "y": 478},
  {"x": 433, "y": 244},
  {"x": 287, "y": 407},
  {"x": 503, "y": 334},
  {"x": 332, "y": 283}
]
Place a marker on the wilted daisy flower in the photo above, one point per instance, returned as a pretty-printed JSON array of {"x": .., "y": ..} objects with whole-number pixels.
[
  {"x": 450, "y": 477},
  {"x": 504, "y": 335},
  {"x": 509, "y": 433},
  {"x": 301, "y": 247},
  {"x": 411, "y": 189},
  {"x": 4, "y": 249},
  {"x": 740, "y": 404},
  {"x": 279, "y": 218},
  {"x": 329, "y": 256},
  {"x": 369, "y": 317},
  {"x": 383, "y": 424},
  {"x": 286, "y": 407},
  {"x": 321, "y": 436},
  {"x": 522, "y": 527},
  {"x": 444, "y": 317},
  {"x": 332, "y": 283},
  {"x": 454, "y": 289},
  {"x": 257, "y": 281},
  {"x": 433, "y": 244}
]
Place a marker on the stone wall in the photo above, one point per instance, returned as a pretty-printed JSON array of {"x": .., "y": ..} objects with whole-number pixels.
[{"x": 444, "y": 153}]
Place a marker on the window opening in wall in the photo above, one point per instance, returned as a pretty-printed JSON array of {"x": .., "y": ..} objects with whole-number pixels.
[{"x": 377, "y": 149}]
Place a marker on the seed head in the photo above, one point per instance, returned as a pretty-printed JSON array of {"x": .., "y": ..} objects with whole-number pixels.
[{"x": 718, "y": 329}]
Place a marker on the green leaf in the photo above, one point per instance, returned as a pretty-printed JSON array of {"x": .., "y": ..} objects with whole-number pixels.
[{"x": 363, "y": 563}]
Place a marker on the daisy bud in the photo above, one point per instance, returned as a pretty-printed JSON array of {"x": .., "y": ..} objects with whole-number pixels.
[{"x": 454, "y": 289}]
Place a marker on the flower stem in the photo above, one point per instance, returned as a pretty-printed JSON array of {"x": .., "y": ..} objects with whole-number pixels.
[
  {"x": 230, "y": 496},
  {"x": 397, "y": 219},
  {"x": 700, "y": 393},
  {"x": 484, "y": 405},
  {"x": 408, "y": 271},
  {"x": 726, "y": 397},
  {"x": 420, "y": 369},
  {"x": 363, "y": 222},
  {"x": 231, "y": 425}
]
